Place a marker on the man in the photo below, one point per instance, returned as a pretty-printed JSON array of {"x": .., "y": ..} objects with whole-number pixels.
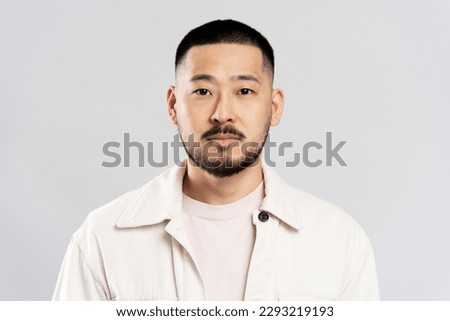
[{"x": 224, "y": 226}]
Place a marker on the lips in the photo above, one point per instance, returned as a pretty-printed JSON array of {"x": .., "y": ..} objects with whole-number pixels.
[{"x": 223, "y": 137}]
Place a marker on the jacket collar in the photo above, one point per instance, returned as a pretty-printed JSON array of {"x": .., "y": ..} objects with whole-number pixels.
[{"x": 160, "y": 199}]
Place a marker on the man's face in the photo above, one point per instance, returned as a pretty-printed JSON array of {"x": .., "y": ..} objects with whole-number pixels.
[{"x": 223, "y": 104}]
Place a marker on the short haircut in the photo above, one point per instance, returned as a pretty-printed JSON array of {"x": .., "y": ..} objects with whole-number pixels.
[{"x": 226, "y": 31}]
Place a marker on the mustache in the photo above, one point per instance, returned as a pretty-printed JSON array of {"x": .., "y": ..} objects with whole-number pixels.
[{"x": 227, "y": 129}]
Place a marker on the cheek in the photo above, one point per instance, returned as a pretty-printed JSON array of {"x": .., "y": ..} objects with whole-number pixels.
[
  {"x": 259, "y": 114},
  {"x": 190, "y": 122}
]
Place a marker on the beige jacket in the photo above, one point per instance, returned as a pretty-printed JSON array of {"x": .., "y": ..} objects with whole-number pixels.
[{"x": 136, "y": 248}]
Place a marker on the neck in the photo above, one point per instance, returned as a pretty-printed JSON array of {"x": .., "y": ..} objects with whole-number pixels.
[{"x": 206, "y": 188}]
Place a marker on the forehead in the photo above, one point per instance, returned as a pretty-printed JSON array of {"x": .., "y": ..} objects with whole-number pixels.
[{"x": 222, "y": 59}]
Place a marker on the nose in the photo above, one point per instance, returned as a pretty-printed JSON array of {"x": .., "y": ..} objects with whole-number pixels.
[{"x": 223, "y": 111}]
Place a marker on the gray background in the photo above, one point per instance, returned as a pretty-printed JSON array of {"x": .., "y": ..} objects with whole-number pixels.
[{"x": 77, "y": 74}]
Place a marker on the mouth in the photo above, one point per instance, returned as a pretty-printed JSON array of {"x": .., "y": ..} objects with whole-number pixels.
[{"x": 224, "y": 139}]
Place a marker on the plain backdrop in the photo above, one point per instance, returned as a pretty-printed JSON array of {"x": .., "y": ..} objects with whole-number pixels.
[{"x": 77, "y": 74}]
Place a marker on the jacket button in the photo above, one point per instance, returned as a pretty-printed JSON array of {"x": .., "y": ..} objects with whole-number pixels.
[{"x": 263, "y": 217}]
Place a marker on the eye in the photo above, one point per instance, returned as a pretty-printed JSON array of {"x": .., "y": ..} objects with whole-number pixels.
[
  {"x": 245, "y": 91},
  {"x": 202, "y": 92}
]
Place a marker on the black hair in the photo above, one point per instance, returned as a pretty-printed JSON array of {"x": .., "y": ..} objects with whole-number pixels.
[{"x": 226, "y": 31}]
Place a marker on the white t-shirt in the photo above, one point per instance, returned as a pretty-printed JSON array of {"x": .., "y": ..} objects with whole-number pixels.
[{"x": 222, "y": 238}]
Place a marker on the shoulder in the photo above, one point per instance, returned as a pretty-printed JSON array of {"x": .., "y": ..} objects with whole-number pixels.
[
  {"x": 313, "y": 207},
  {"x": 103, "y": 219},
  {"x": 146, "y": 205},
  {"x": 302, "y": 210},
  {"x": 324, "y": 218}
]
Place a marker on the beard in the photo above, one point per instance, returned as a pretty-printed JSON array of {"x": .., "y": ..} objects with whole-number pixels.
[{"x": 220, "y": 162}]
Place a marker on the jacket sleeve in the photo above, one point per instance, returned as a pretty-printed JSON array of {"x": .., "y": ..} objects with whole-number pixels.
[
  {"x": 362, "y": 282},
  {"x": 76, "y": 280}
]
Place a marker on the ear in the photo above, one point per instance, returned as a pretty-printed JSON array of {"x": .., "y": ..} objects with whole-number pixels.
[
  {"x": 171, "y": 104},
  {"x": 277, "y": 106}
]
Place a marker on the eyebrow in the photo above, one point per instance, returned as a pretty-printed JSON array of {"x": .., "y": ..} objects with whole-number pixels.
[
  {"x": 203, "y": 77},
  {"x": 246, "y": 77},
  {"x": 208, "y": 77}
]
